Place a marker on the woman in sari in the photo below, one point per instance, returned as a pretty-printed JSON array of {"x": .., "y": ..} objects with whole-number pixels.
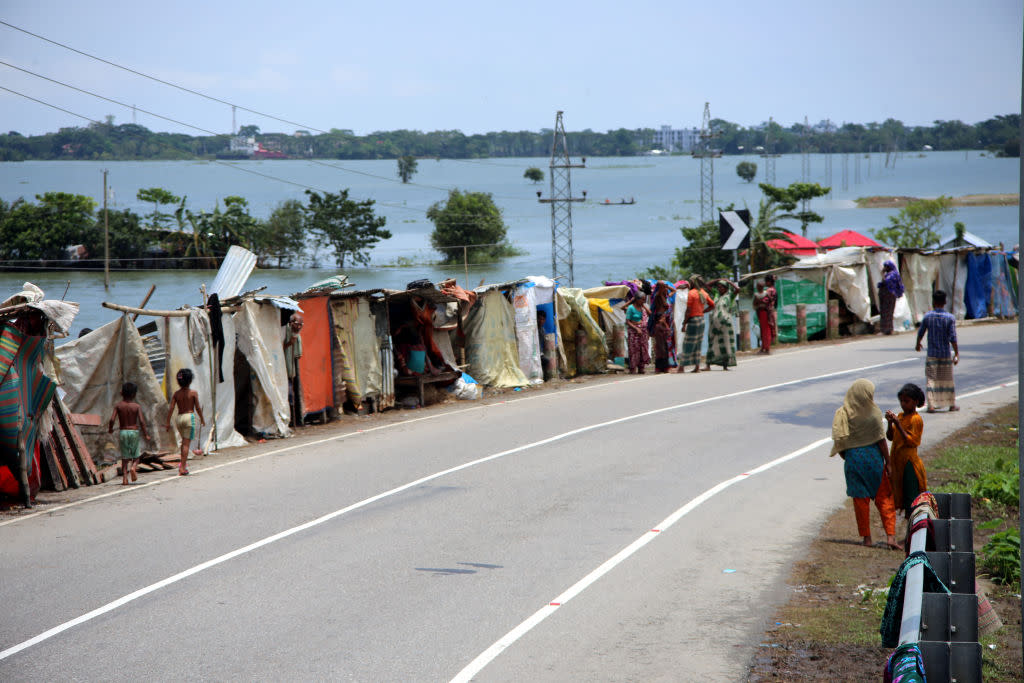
[
  {"x": 659, "y": 325},
  {"x": 858, "y": 436},
  {"x": 889, "y": 290},
  {"x": 721, "y": 334},
  {"x": 697, "y": 304},
  {"x": 765, "y": 298},
  {"x": 639, "y": 340}
]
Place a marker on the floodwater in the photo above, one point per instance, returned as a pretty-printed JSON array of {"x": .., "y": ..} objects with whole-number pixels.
[{"x": 610, "y": 242}]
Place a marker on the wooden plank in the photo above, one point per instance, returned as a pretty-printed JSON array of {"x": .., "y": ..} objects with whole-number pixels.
[
  {"x": 67, "y": 465},
  {"x": 86, "y": 419},
  {"x": 57, "y": 478},
  {"x": 78, "y": 449}
]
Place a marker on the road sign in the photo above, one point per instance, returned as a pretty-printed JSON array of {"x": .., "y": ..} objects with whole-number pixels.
[{"x": 734, "y": 229}]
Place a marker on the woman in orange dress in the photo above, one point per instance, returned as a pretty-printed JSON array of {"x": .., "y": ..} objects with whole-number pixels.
[{"x": 908, "y": 476}]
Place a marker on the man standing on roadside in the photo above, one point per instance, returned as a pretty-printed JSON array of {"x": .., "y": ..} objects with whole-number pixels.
[
  {"x": 938, "y": 367},
  {"x": 292, "y": 354}
]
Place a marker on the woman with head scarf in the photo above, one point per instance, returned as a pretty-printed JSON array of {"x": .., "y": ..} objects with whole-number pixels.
[
  {"x": 721, "y": 334},
  {"x": 639, "y": 340},
  {"x": 858, "y": 436},
  {"x": 889, "y": 289},
  {"x": 659, "y": 326}
]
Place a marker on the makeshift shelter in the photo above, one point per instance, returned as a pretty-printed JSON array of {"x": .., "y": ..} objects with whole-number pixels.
[
  {"x": 920, "y": 272},
  {"x": 1004, "y": 296},
  {"x": 608, "y": 306},
  {"x": 492, "y": 352},
  {"x": 357, "y": 359},
  {"x": 544, "y": 299},
  {"x": 260, "y": 336},
  {"x": 582, "y": 344},
  {"x": 421, "y": 353},
  {"x": 848, "y": 238},
  {"x": 316, "y": 373},
  {"x": 952, "y": 279},
  {"x": 528, "y": 339},
  {"x": 794, "y": 245},
  {"x": 901, "y": 312},
  {"x": 969, "y": 239},
  {"x": 92, "y": 370}
]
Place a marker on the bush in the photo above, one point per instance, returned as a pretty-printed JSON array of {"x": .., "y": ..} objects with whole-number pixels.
[
  {"x": 1001, "y": 556},
  {"x": 1001, "y": 486}
]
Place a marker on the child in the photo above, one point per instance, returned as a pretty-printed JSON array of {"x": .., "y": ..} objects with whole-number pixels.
[
  {"x": 129, "y": 417},
  {"x": 908, "y": 475},
  {"x": 187, "y": 402}
]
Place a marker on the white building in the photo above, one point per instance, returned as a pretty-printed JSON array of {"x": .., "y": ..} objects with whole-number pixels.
[{"x": 676, "y": 139}]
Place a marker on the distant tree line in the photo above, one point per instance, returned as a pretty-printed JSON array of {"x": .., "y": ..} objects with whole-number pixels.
[
  {"x": 103, "y": 141},
  {"x": 177, "y": 234}
]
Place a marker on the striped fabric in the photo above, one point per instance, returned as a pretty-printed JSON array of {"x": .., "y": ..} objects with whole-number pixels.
[
  {"x": 939, "y": 387},
  {"x": 25, "y": 392}
]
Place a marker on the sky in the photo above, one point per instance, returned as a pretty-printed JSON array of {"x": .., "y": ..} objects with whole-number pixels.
[{"x": 480, "y": 67}]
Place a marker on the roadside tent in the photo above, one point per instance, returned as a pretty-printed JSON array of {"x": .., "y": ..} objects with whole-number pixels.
[
  {"x": 1003, "y": 296},
  {"x": 794, "y": 245},
  {"x": 582, "y": 343},
  {"x": 524, "y": 304},
  {"x": 608, "y": 306},
  {"x": 316, "y": 375},
  {"x": 189, "y": 345},
  {"x": 260, "y": 340},
  {"x": 848, "y": 238},
  {"x": 979, "y": 284},
  {"x": 969, "y": 240},
  {"x": 919, "y": 273},
  {"x": 92, "y": 370},
  {"x": 356, "y": 350},
  {"x": 901, "y": 313},
  {"x": 544, "y": 299},
  {"x": 952, "y": 279},
  {"x": 491, "y": 351}
]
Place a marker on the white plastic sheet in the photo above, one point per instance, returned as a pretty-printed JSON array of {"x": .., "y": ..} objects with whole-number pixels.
[
  {"x": 851, "y": 283},
  {"x": 920, "y": 272},
  {"x": 528, "y": 343},
  {"x": 271, "y": 391},
  {"x": 179, "y": 355},
  {"x": 953, "y": 280}
]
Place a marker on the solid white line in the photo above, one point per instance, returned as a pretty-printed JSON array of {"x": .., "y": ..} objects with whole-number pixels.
[
  {"x": 488, "y": 655},
  {"x": 110, "y": 606}
]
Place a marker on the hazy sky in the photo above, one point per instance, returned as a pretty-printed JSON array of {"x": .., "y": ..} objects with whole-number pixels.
[{"x": 481, "y": 66}]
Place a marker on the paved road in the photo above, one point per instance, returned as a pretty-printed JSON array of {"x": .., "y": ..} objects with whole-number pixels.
[{"x": 431, "y": 549}]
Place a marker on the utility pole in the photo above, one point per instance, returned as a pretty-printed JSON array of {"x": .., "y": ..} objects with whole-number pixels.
[
  {"x": 106, "y": 237},
  {"x": 233, "y": 129},
  {"x": 561, "y": 202},
  {"x": 827, "y": 149},
  {"x": 769, "y": 153},
  {"x": 707, "y": 168},
  {"x": 846, "y": 170},
  {"x": 805, "y": 153}
]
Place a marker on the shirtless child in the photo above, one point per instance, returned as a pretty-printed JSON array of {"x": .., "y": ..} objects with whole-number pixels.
[
  {"x": 187, "y": 402},
  {"x": 128, "y": 414}
]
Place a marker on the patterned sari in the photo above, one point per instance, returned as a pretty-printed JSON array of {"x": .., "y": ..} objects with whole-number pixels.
[{"x": 722, "y": 336}]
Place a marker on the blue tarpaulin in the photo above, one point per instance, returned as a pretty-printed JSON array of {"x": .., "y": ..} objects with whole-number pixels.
[
  {"x": 979, "y": 285},
  {"x": 1002, "y": 298}
]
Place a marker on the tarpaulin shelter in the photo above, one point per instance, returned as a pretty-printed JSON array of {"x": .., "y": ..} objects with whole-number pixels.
[
  {"x": 794, "y": 245},
  {"x": 920, "y": 272},
  {"x": 492, "y": 352},
  {"x": 544, "y": 299},
  {"x": 358, "y": 364},
  {"x": 876, "y": 258},
  {"x": 581, "y": 340},
  {"x": 420, "y": 329},
  {"x": 92, "y": 371},
  {"x": 1004, "y": 296},
  {"x": 260, "y": 341},
  {"x": 847, "y": 238},
  {"x": 608, "y": 306},
  {"x": 528, "y": 339},
  {"x": 316, "y": 373}
]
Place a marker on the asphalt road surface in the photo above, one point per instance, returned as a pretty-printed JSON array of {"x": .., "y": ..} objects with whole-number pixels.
[{"x": 639, "y": 528}]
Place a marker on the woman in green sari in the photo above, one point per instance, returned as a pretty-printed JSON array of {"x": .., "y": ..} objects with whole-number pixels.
[{"x": 721, "y": 335}]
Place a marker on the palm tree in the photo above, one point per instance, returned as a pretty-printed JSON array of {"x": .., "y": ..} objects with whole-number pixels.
[{"x": 763, "y": 257}]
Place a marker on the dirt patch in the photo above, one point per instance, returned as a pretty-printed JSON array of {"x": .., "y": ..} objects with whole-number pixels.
[
  {"x": 898, "y": 202},
  {"x": 829, "y": 628}
]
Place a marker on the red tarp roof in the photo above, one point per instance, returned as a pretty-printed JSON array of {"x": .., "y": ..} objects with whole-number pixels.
[
  {"x": 848, "y": 238},
  {"x": 794, "y": 244}
]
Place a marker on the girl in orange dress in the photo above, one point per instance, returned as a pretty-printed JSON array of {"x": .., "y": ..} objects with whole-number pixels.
[{"x": 908, "y": 476}]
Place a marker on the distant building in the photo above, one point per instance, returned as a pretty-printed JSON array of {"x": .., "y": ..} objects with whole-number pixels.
[{"x": 676, "y": 139}]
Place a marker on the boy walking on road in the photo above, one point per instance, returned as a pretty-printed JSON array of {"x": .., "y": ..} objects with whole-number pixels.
[{"x": 938, "y": 367}]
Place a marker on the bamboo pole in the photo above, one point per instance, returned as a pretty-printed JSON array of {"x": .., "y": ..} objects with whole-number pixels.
[
  {"x": 145, "y": 301},
  {"x": 153, "y": 313}
]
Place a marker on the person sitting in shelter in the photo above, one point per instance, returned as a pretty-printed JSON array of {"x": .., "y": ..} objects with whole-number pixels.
[
  {"x": 411, "y": 356},
  {"x": 423, "y": 317}
]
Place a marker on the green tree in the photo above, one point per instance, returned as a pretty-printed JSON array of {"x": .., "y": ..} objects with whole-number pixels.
[
  {"x": 765, "y": 228},
  {"x": 128, "y": 239},
  {"x": 249, "y": 131},
  {"x": 46, "y": 229},
  {"x": 533, "y": 173},
  {"x": 747, "y": 170},
  {"x": 159, "y": 196},
  {"x": 796, "y": 194},
  {"x": 350, "y": 227},
  {"x": 473, "y": 220},
  {"x": 406, "y": 167},
  {"x": 915, "y": 224},
  {"x": 283, "y": 234}
]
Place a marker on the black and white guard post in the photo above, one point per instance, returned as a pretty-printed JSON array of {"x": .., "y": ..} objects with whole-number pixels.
[{"x": 734, "y": 229}]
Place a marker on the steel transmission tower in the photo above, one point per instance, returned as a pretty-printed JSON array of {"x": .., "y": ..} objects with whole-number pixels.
[
  {"x": 561, "y": 201},
  {"x": 769, "y": 155},
  {"x": 707, "y": 168}
]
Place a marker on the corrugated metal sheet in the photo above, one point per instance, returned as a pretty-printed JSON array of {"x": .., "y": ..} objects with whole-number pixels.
[{"x": 234, "y": 272}]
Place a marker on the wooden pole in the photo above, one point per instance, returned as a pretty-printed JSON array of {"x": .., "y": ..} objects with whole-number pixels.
[
  {"x": 142, "y": 311},
  {"x": 144, "y": 301},
  {"x": 744, "y": 344},
  {"x": 801, "y": 323},
  {"x": 106, "y": 237}
]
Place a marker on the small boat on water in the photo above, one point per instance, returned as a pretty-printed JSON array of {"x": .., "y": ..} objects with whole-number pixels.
[{"x": 621, "y": 202}]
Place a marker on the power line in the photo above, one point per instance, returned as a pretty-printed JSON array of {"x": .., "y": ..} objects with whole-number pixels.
[{"x": 159, "y": 80}]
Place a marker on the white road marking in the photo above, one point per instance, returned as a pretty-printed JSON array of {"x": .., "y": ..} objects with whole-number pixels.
[
  {"x": 120, "y": 602},
  {"x": 488, "y": 655}
]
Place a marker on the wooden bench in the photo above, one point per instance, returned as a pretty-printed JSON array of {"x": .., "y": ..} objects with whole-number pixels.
[{"x": 419, "y": 381}]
